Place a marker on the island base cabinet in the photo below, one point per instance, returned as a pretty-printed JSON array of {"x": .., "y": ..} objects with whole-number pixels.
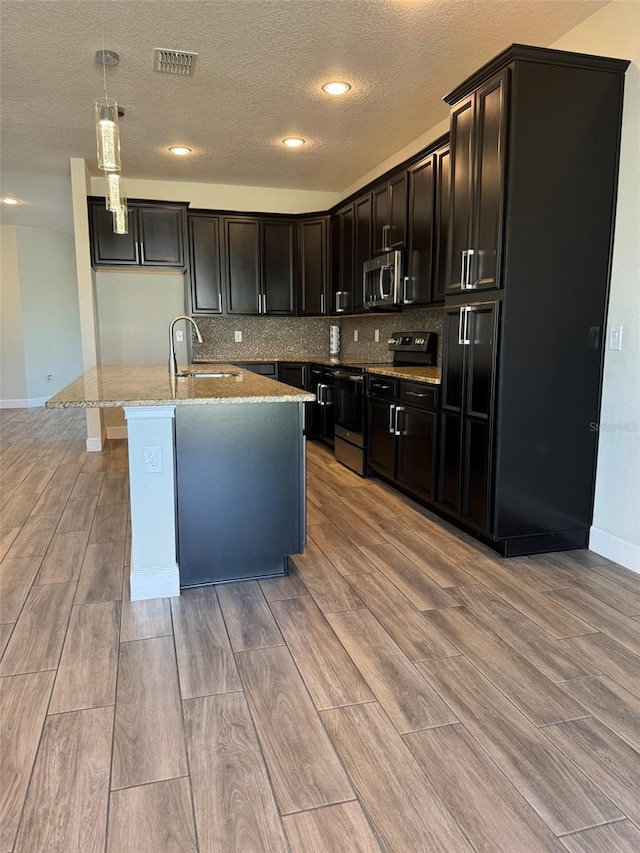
[{"x": 240, "y": 490}]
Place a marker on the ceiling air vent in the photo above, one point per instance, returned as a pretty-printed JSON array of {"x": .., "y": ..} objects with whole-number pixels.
[{"x": 174, "y": 61}]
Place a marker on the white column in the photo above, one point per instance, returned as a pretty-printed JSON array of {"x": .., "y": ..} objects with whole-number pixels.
[{"x": 154, "y": 567}]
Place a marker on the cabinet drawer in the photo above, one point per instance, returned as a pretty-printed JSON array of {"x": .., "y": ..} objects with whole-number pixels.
[
  {"x": 384, "y": 387},
  {"x": 419, "y": 394}
]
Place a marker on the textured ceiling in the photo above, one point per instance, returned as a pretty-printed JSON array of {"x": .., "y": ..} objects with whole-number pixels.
[{"x": 257, "y": 79}]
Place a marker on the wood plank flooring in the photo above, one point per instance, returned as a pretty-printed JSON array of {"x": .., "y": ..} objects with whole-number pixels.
[{"x": 401, "y": 690}]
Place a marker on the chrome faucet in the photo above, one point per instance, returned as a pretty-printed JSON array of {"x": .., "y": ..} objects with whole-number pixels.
[{"x": 173, "y": 366}]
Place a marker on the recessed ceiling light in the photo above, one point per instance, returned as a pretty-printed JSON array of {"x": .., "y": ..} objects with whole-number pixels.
[
  {"x": 10, "y": 200},
  {"x": 180, "y": 150},
  {"x": 336, "y": 87},
  {"x": 293, "y": 141}
]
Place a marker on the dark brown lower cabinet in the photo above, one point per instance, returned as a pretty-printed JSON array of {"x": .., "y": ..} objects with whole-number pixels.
[
  {"x": 468, "y": 378},
  {"x": 403, "y": 433},
  {"x": 416, "y": 450}
]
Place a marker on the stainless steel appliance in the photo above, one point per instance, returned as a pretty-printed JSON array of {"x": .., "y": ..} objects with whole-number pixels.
[
  {"x": 320, "y": 412},
  {"x": 382, "y": 281},
  {"x": 349, "y": 414},
  {"x": 349, "y": 390}
]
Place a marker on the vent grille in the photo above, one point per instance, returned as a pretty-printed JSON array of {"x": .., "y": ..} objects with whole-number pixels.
[{"x": 174, "y": 61}]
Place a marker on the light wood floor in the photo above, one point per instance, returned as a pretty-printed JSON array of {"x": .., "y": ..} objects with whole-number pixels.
[{"x": 402, "y": 689}]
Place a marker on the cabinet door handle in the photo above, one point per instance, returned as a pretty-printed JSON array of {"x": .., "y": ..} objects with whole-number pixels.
[
  {"x": 415, "y": 394},
  {"x": 392, "y": 426},
  {"x": 264, "y": 303},
  {"x": 385, "y": 233},
  {"x": 141, "y": 252},
  {"x": 405, "y": 282},
  {"x": 319, "y": 395},
  {"x": 467, "y": 273},
  {"x": 463, "y": 326},
  {"x": 220, "y": 300},
  {"x": 463, "y": 270},
  {"x": 322, "y": 303},
  {"x": 396, "y": 426}
]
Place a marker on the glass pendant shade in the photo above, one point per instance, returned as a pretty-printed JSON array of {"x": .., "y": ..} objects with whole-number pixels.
[
  {"x": 120, "y": 220},
  {"x": 107, "y": 135},
  {"x": 114, "y": 196}
]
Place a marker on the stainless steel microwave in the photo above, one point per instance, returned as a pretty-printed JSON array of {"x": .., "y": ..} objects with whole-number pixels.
[{"x": 381, "y": 281}]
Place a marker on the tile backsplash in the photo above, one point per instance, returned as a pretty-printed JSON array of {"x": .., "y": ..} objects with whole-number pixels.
[
  {"x": 263, "y": 338},
  {"x": 300, "y": 338},
  {"x": 367, "y": 349}
]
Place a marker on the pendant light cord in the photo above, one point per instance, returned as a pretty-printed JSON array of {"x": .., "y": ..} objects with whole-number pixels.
[{"x": 104, "y": 64}]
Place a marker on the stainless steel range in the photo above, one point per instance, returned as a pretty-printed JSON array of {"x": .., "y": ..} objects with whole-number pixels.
[{"x": 349, "y": 394}]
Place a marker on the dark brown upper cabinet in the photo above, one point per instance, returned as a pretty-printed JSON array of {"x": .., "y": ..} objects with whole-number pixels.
[
  {"x": 278, "y": 290},
  {"x": 428, "y": 225},
  {"x": 313, "y": 266},
  {"x": 478, "y": 134},
  {"x": 422, "y": 221},
  {"x": 363, "y": 220},
  {"x": 390, "y": 214},
  {"x": 241, "y": 242},
  {"x": 443, "y": 210},
  {"x": 343, "y": 256},
  {"x": 205, "y": 277},
  {"x": 156, "y": 236}
]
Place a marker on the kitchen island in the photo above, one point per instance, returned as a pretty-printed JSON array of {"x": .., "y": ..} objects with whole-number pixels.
[{"x": 216, "y": 471}]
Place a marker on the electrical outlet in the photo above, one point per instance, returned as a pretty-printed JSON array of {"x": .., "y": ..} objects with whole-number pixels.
[
  {"x": 49, "y": 377},
  {"x": 152, "y": 460},
  {"x": 179, "y": 336},
  {"x": 376, "y": 336},
  {"x": 237, "y": 336},
  {"x": 355, "y": 334}
]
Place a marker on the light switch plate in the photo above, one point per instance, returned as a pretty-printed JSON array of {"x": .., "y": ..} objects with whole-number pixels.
[
  {"x": 355, "y": 334},
  {"x": 179, "y": 336},
  {"x": 615, "y": 338},
  {"x": 237, "y": 336}
]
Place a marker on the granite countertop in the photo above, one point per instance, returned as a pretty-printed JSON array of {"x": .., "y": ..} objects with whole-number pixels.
[
  {"x": 429, "y": 375},
  {"x": 103, "y": 387}
]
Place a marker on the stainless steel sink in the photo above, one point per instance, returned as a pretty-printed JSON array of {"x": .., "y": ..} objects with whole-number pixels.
[{"x": 204, "y": 374}]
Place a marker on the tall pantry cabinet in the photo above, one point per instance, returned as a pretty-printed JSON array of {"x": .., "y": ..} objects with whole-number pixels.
[{"x": 535, "y": 137}]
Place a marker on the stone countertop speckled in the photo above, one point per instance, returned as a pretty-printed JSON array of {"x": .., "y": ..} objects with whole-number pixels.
[
  {"x": 430, "y": 375},
  {"x": 103, "y": 387}
]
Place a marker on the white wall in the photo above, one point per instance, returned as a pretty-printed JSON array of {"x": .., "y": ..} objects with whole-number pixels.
[
  {"x": 225, "y": 196},
  {"x": 615, "y": 31},
  {"x": 40, "y": 320},
  {"x": 134, "y": 310},
  {"x": 50, "y": 316},
  {"x": 13, "y": 380}
]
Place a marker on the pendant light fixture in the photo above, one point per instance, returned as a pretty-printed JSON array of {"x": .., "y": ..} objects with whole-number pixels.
[{"x": 108, "y": 141}]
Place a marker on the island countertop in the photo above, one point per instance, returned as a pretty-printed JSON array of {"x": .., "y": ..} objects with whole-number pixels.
[{"x": 111, "y": 386}]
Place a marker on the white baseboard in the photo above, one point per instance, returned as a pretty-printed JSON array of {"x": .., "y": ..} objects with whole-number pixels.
[
  {"x": 25, "y": 403},
  {"x": 163, "y": 582},
  {"x": 117, "y": 432},
  {"x": 614, "y": 548}
]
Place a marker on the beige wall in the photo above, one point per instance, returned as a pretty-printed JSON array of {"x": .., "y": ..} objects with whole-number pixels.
[
  {"x": 225, "y": 196},
  {"x": 615, "y": 31},
  {"x": 13, "y": 380}
]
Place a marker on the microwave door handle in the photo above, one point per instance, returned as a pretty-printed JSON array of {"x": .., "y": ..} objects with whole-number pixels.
[{"x": 382, "y": 269}]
